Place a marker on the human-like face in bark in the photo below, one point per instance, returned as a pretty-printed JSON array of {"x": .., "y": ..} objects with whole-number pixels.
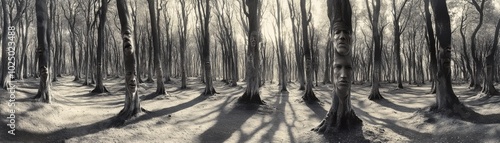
[
  {"x": 342, "y": 39},
  {"x": 132, "y": 82},
  {"x": 342, "y": 75}
]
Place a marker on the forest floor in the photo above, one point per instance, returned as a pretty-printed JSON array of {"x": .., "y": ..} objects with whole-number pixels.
[{"x": 184, "y": 116}]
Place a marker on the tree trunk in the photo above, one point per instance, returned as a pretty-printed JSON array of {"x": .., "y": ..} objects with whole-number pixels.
[
  {"x": 341, "y": 116},
  {"x": 476, "y": 56},
  {"x": 251, "y": 95},
  {"x": 309, "y": 95},
  {"x": 132, "y": 103},
  {"x": 44, "y": 92},
  {"x": 488, "y": 87},
  {"x": 99, "y": 87},
  {"x": 377, "y": 54},
  {"x": 446, "y": 100},
  {"x": 160, "y": 87},
  {"x": 431, "y": 43}
]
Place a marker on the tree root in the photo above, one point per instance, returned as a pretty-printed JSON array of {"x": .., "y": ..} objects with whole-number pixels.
[
  {"x": 309, "y": 96},
  {"x": 375, "y": 96},
  {"x": 457, "y": 110},
  {"x": 248, "y": 98},
  {"x": 127, "y": 114},
  {"x": 335, "y": 122},
  {"x": 98, "y": 89},
  {"x": 209, "y": 91}
]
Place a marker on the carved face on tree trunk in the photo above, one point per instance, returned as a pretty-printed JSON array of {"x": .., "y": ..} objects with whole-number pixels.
[
  {"x": 342, "y": 75},
  {"x": 342, "y": 38}
]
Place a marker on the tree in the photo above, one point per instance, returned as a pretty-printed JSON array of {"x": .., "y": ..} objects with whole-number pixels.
[
  {"x": 21, "y": 8},
  {"x": 279, "y": 44},
  {"x": 44, "y": 93},
  {"x": 71, "y": 18},
  {"x": 183, "y": 22},
  {"x": 488, "y": 88},
  {"x": 298, "y": 49},
  {"x": 397, "y": 34},
  {"x": 475, "y": 56},
  {"x": 308, "y": 94},
  {"x": 252, "y": 94},
  {"x": 160, "y": 87},
  {"x": 465, "y": 54},
  {"x": 446, "y": 100},
  {"x": 205, "y": 22},
  {"x": 99, "y": 87},
  {"x": 132, "y": 103},
  {"x": 341, "y": 116},
  {"x": 377, "y": 49},
  {"x": 431, "y": 44}
]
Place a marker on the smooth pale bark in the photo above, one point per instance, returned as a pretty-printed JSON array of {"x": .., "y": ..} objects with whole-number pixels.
[
  {"x": 99, "y": 88},
  {"x": 44, "y": 92},
  {"x": 132, "y": 102},
  {"x": 252, "y": 95}
]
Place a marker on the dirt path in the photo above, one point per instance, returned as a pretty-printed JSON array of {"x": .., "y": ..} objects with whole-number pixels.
[{"x": 183, "y": 116}]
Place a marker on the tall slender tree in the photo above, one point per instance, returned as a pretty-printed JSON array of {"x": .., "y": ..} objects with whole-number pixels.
[
  {"x": 160, "y": 87},
  {"x": 476, "y": 56},
  {"x": 44, "y": 92},
  {"x": 132, "y": 105},
  {"x": 204, "y": 13},
  {"x": 397, "y": 37},
  {"x": 99, "y": 87},
  {"x": 309, "y": 95},
  {"x": 377, "y": 49}
]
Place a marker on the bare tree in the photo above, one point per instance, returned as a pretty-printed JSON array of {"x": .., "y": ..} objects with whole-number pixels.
[
  {"x": 204, "y": 14},
  {"x": 160, "y": 87},
  {"x": 488, "y": 88},
  {"x": 446, "y": 100},
  {"x": 43, "y": 50},
  {"x": 377, "y": 49},
  {"x": 298, "y": 48},
  {"x": 279, "y": 43},
  {"x": 397, "y": 34},
  {"x": 308, "y": 94},
  {"x": 475, "y": 57},
  {"x": 183, "y": 22},
  {"x": 99, "y": 88},
  {"x": 341, "y": 116},
  {"x": 132, "y": 102},
  {"x": 252, "y": 94}
]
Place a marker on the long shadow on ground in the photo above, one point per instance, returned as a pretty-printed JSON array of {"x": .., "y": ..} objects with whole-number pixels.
[{"x": 228, "y": 123}]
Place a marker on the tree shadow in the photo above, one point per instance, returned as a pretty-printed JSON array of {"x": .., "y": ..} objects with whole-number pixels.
[
  {"x": 317, "y": 109},
  {"x": 60, "y": 135},
  {"x": 166, "y": 111},
  {"x": 228, "y": 123},
  {"x": 389, "y": 104}
]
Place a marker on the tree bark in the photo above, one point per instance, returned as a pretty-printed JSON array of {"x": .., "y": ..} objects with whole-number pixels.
[
  {"x": 341, "y": 116},
  {"x": 252, "y": 95},
  {"x": 309, "y": 95},
  {"x": 377, "y": 52},
  {"x": 132, "y": 103},
  {"x": 431, "y": 43},
  {"x": 44, "y": 92},
  {"x": 446, "y": 100},
  {"x": 475, "y": 56},
  {"x": 488, "y": 87},
  {"x": 160, "y": 87},
  {"x": 99, "y": 87}
]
